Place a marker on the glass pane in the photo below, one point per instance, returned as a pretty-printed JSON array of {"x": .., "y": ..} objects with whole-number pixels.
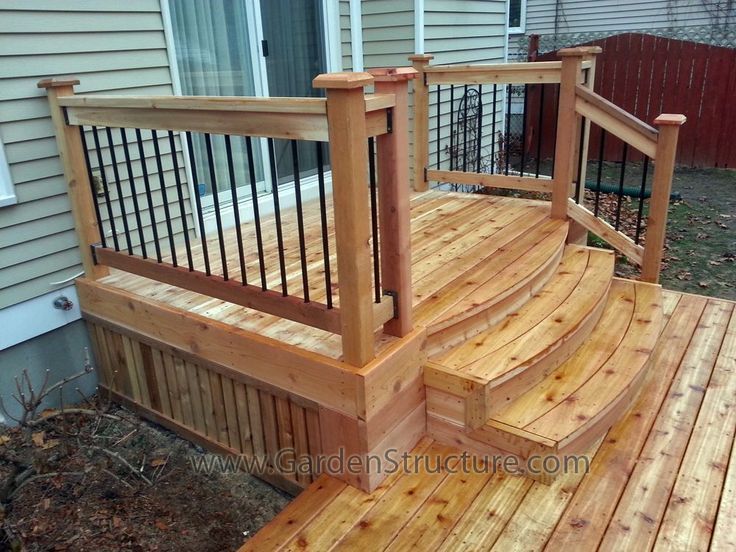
[
  {"x": 296, "y": 54},
  {"x": 515, "y": 13},
  {"x": 214, "y": 58}
]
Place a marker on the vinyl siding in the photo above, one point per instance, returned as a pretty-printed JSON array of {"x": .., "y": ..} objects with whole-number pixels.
[
  {"x": 388, "y": 32},
  {"x": 346, "y": 52},
  {"x": 111, "y": 48},
  {"x": 463, "y": 32},
  {"x": 580, "y": 16}
]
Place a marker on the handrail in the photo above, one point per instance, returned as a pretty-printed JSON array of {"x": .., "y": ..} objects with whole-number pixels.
[
  {"x": 537, "y": 72},
  {"x": 346, "y": 119},
  {"x": 615, "y": 120},
  {"x": 285, "y": 118}
]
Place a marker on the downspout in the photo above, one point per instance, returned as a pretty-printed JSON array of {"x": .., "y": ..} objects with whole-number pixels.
[
  {"x": 356, "y": 35},
  {"x": 418, "y": 26}
]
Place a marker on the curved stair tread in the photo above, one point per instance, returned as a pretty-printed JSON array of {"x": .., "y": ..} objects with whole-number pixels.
[
  {"x": 572, "y": 320},
  {"x": 566, "y": 278},
  {"x": 608, "y": 387},
  {"x": 507, "y": 271},
  {"x": 470, "y": 271},
  {"x": 571, "y": 375},
  {"x": 467, "y": 240}
]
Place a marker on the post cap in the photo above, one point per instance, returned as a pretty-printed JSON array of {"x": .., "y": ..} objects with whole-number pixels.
[
  {"x": 56, "y": 82},
  {"x": 343, "y": 80},
  {"x": 580, "y": 51},
  {"x": 670, "y": 119},
  {"x": 393, "y": 74},
  {"x": 421, "y": 57}
]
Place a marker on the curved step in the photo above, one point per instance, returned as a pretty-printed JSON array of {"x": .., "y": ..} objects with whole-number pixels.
[
  {"x": 506, "y": 360},
  {"x": 492, "y": 285},
  {"x": 577, "y": 403}
]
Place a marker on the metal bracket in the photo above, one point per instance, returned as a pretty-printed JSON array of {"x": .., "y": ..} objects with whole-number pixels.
[
  {"x": 425, "y": 174},
  {"x": 424, "y": 78},
  {"x": 390, "y": 120},
  {"x": 395, "y": 296},
  {"x": 66, "y": 115},
  {"x": 93, "y": 247}
]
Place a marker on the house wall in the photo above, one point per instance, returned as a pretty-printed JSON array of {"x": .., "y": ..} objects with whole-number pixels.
[
  {"x": 576, "y": 16},
  {"x": 111, "y": 48},
  {"x": 388, "y": 32}
]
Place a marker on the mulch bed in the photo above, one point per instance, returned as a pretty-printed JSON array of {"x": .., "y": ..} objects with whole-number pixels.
[{"x": 110, "y": 481}]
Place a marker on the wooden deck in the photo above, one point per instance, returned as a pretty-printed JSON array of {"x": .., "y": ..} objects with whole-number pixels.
[
  {"x": 664, "y": 476},
  {"x": 466, "y": 257}
]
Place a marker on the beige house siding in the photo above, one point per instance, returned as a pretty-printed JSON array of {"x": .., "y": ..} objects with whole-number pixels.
[
  {"x": 346, "y": 47},
  {"x": 388, "y": 32},
  {"x": 111, "y": 48}
]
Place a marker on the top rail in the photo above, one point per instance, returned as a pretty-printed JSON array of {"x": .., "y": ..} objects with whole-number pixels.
[
  {"x": 285, "y": 118},
  {"x": 537, "y": 72},
  {"x": 616, "y": 121}
]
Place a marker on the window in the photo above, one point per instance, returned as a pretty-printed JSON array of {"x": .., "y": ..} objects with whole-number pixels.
[
  {"x": 7, "y": 195},
  {"x": 517, "y": 16}
]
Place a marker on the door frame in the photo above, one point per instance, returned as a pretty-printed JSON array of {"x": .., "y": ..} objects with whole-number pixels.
[{"x": 333, "y": 58}]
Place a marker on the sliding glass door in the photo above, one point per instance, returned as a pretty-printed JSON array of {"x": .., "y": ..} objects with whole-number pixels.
[{"x": 248, "y": 48}]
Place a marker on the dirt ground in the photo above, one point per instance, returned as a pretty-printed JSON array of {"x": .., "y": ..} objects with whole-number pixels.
[{"x": 114, "y": 482}]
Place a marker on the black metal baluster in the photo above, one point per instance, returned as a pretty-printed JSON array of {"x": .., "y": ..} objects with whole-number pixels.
[
  {"x": 216, "y": 202},
  {"x": 508, "y": 129},
  {"x": 452, "y": 127},
  {"x": 92, "y": 189},
  {"x": 236, "y": 208},
  {"x": 479, "y": 137},
  {"x": 323, "y": 220},
  {"x": 465, "y": 128},
  {"x": 105, "y": 189},
  {"x": 554, "y": 130},
  {"x": 493, "y": 130},
  {"x": 300, "y": 218},
  {"x": 621, "y": 185},
  {"x": 523, "y": 131},
  {"x": 198, "y": 201},
  {"x": 600, "y": 171},
  {"x": 439, "y": 125},
  {"x": 256, "y": 210},
  {"x": 374, "y": 218},
  {"x": 642, "y": 191},
  {"x": 579, "y": 182},
  {"x": 119, "y": 188},
  {"x": 164, "y": 195},
  {"x": 277, "y": 214},
  {"x": 180, "y": 197},
  {"x": 134, "y": 192},
  {"x": 149, "y": 197},
  {"x": 540, "y": 121}
]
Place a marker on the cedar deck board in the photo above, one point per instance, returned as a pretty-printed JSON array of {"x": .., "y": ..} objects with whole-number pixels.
[
  {"x": 581, "y": 512},
  {"x": 453, "y": 231}
]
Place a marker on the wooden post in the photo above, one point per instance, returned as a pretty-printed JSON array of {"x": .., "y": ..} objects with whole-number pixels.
[
  {"x": 664, "y": 168},
  {"x": 571, "y": 74},
  {"x": 393, "y": 202},
  {"x": 71, "y": 152},
  {"x": 532, "y": 50},
  {"x": 349, "y": 158},
  {"x": 578, "y": 234},
  {"x": 420, "y": 135}
]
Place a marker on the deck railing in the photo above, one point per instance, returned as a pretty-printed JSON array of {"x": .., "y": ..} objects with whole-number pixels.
[
  {"x": 107, "y": 142},
  {"x": 462, "y": 113}
]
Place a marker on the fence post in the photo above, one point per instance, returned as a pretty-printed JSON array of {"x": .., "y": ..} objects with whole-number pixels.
[
  {"x": 393, "y": 202},
  {"x": 420, "y": 135},
  {"x": 571, "y": 75},
  {"x": 578, "y": 233},
  {"x": 349, "y": 159},
  {"x": 664, "y": 168},
  {"x": 71, "y": 153}
]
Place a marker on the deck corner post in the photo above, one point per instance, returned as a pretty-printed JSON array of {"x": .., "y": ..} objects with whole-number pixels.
[
  {"x": 664, "y": 167},
  {"x": 578, "y": 234},
  {"x": 348, "y": 135},
  {"x": 420, "y": 135},
  {"x": 393, "y": 203},
  {"x": 72, "y": 155},
  {"x": 567, "y": 129}
]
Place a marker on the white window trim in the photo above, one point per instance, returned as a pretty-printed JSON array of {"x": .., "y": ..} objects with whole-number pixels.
[
  {"x": 7, "y": 191},
  {"x": 522, "y": 20}
]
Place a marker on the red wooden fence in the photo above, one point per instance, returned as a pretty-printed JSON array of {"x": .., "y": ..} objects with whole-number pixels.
[{"x": 647, "y": 75}]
